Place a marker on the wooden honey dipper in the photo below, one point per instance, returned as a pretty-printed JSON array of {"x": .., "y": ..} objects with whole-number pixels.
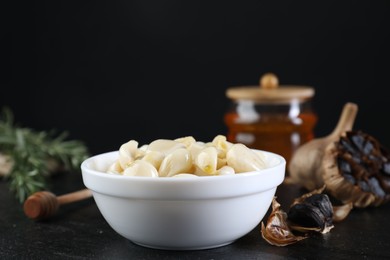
[{"x": 44, "y": 204}]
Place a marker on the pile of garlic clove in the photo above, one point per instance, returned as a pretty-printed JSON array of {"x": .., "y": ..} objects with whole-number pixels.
[{"x": 186, "y": 157}]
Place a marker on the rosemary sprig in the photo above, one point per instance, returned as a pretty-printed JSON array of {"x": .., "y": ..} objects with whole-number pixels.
[{"x": 28, "y": 157}]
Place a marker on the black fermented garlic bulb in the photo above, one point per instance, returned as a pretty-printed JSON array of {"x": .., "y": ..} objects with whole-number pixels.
[{"x": 357, "y": 170}]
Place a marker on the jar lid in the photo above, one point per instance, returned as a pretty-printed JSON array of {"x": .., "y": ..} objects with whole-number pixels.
[{"x": 269, "y": 91}]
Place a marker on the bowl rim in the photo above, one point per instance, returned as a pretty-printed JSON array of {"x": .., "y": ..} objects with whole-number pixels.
[
  {"x": 185, "y": 188},
  {"x": 84, "y": 166}
]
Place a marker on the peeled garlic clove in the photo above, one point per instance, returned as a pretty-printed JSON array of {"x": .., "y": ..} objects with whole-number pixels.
[
  {"x": 154, "y": 157},
  {"x": 221, "y": 143},
  {"x": 143, "y": 147},
  {"x": 139, "y": 154},
  {"x": 207, "y": 160},
  {"x": 127, "y": 153},
  {"x": 196, "y": 148},
  {"x": 165, "y": 146},
  {"x": 141, "y": 168},
  {"x": 187, "y": 141},
  {"x": 221, "y": 162},
  {"x": 226, "y": 170},
  {"x": 185, "y": 175},
  {"x": 243, "y": 159},
  {"x": 115, "y": 168},
  {"x": 178, "y": 161}
]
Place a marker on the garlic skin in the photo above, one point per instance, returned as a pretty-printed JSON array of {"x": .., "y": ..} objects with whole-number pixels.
[
  {"x": 243, "y": 159},
  {"x": 141, "y": 168},
  {"x": 277, "y": 231},
  {"x": 305, "y": 167},
  {"x": 306, "y": 170},
  {"x": 341, "y": 212}
]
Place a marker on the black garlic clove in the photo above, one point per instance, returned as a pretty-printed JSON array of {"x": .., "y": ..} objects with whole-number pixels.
[{"x": 313, "y": 213}]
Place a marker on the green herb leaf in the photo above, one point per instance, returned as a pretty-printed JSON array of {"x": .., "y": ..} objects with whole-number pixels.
[{"x": 33, "y": 155}]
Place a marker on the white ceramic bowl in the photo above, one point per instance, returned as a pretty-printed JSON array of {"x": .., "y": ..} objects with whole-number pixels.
[{"x": 182, "y": 213}]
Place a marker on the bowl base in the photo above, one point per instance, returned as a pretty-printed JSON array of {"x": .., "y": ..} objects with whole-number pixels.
[{"x": 183, "y": 248}]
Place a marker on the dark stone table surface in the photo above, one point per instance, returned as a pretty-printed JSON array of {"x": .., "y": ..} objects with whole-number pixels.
[{"x": 78, "y": 231}]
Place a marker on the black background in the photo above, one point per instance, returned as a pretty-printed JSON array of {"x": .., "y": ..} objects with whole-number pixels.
[{"x": 111, "y": 71}]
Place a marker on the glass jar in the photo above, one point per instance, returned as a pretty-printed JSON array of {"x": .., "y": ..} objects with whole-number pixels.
[{"x": 271, "y": 117}]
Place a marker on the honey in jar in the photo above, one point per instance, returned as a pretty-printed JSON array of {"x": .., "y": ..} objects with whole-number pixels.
[{"x": 271, "y": 117}]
